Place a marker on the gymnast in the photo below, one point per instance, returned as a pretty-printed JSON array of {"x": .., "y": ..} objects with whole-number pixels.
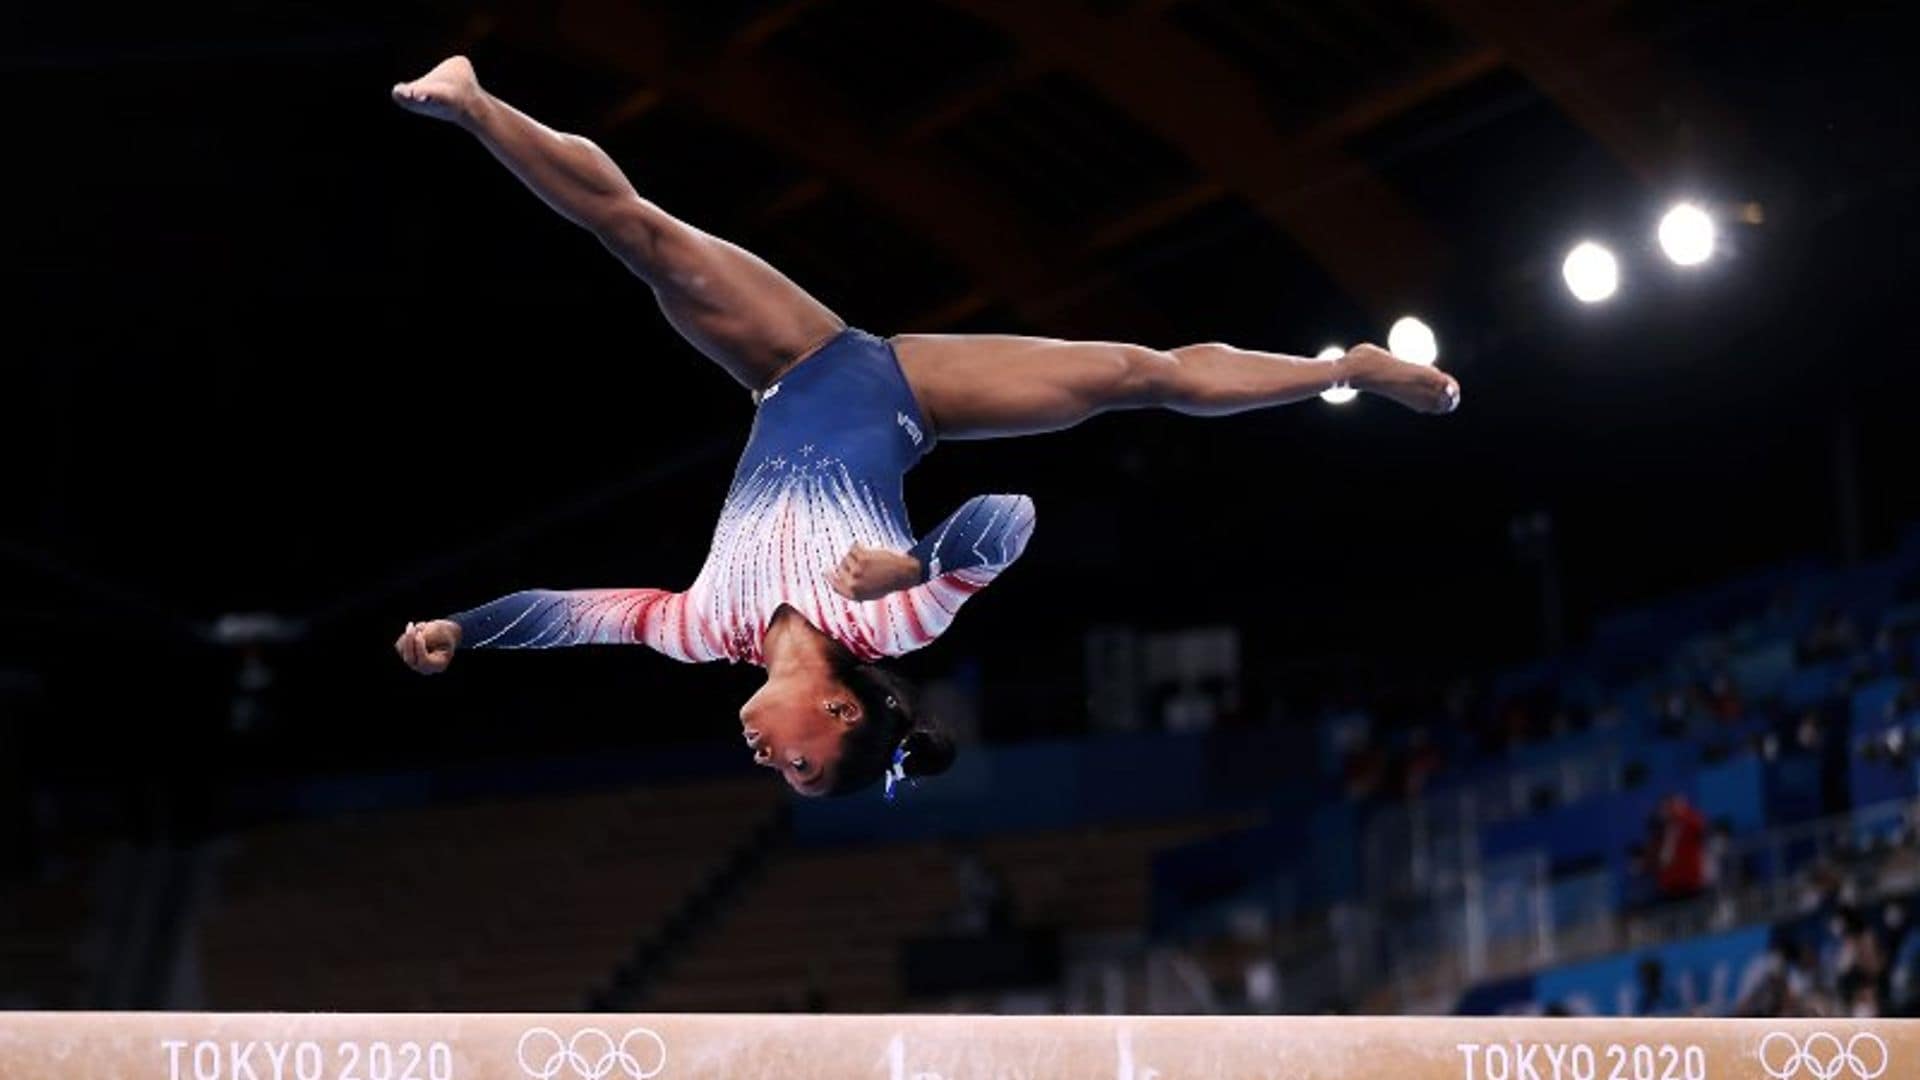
[{"x": 814, "y": 574}]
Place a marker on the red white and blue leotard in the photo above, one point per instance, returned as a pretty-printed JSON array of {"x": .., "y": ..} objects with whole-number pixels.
[{"x": 822, "y": 471}]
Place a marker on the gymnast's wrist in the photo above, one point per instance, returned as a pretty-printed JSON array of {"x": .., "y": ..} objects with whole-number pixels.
[{"x": 922, "y": 562}]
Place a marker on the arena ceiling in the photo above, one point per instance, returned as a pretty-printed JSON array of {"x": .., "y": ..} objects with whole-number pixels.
[{"x": 1021, "y": 157}]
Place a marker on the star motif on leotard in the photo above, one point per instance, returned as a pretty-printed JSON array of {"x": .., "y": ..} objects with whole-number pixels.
[{"x": 807, "y": 450}]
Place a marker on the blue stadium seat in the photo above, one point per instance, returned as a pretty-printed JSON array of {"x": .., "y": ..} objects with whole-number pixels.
[{"x": 1762, "y": 672}]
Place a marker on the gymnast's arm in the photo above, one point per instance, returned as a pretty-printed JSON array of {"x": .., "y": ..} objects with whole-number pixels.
[
  {"x": 967, "y": 550},
  {"x": 546, "y": 619}
]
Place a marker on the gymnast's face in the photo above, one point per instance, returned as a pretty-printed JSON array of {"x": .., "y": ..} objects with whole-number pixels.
[{"x": 797, "y": 725}]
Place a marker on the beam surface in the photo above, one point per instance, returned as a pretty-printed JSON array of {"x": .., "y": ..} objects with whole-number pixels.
[{"x": 427, "y": 1046}]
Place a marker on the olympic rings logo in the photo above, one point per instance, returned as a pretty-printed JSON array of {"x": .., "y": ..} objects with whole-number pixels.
[
  {"x": 591, "y": 1054},
  {"x": 1823, "y": 1056}
]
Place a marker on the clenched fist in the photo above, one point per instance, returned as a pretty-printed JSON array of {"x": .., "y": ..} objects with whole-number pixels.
[
  {"x": 871, "y": 573},
  {"x": 428, "y": 647}
]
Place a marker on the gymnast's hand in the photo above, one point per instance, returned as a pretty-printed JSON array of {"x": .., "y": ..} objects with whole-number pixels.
[
  {"x": 871, "y": 573},
  {"x": 428, "y": 647}
]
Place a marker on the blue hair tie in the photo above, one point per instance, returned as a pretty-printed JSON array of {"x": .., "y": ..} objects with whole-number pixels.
[{"x": 896, "y": 774}]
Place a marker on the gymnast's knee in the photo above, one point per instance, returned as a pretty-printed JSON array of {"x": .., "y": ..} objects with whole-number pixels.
[
  {"x": 1167, "y": 377},
  {"x": 1146, "y": 377},
  {"x": 635, "y": 229}
]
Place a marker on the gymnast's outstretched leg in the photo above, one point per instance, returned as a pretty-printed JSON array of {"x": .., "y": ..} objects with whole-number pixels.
[
  {"x": 984, "y": 386},
  {"x": 731, "y": 305},
  {"x": 755, "y": 322}
]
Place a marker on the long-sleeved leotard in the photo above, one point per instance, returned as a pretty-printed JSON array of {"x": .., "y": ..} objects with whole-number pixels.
[{"x": 822, "y": 471}]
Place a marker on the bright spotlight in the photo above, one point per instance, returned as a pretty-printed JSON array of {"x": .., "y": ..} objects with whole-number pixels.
[
  {"x": 1341, "y": 393},
  {"x": 1413, "y": 341},
  {"x": 1592, "y": 273},
  {"x": 1687, "y": 235}
]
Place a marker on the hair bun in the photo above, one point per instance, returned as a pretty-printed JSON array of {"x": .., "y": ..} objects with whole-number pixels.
[{"x": 929, "y": 753}]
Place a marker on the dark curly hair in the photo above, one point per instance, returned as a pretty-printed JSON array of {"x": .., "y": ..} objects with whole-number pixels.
[{"x": 890, "y": 721}]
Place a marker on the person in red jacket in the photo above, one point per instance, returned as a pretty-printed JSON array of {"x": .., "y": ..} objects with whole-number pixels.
[{"x": 1680, "y": 861}]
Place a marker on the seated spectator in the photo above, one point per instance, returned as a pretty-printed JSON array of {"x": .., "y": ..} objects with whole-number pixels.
[
  {"x": 1892, "y": 651},
  {"x": 1889, "y": 747},
  {"x": 1764, "y": 990},
  {"x": 1676, "y": 708},
  {"x": 1822, "y": 888},
  {"x": 1855, "y": 951},
  {"x": 1893, "y": 926},
  {"x": 1834, "y": 636},
  {"x": 1859, "y": 996},
  {"x": 1365, "y": 771},
  {"x": 1721, "y": 698},
  {"x": 1716, "y": 875},
  {"x": 986, "y": 907},
  {"x": 1810, "y": 730},
  {"x": 1903, "y": 976},
  {"x": 1805, "y": 997},
  {"x": 1423, "y": 760}
]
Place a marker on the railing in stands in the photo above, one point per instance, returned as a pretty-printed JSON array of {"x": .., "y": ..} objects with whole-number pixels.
[
  {"x": 1514, "y": 915},
  {"x": 653, "y": 953}
]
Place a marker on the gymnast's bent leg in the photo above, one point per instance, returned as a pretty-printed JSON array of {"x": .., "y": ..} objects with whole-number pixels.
[
  {"x": 983, "y": 386},
  {"x": 731, "y": 305}
]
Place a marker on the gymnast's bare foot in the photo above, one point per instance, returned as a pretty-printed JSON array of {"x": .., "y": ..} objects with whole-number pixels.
[
  {"x": 1418, "y": 387},
  {"x": 448, "y": 92}
]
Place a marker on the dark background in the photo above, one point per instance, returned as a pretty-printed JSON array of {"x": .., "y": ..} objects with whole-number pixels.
[{"x": 279, "y": 347}]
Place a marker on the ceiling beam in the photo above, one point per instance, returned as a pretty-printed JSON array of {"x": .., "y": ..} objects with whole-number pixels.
[
  {"x": 1013, "y": 260},
  {"x": 630, "y": 108},
  {"x": 1635, "y": 101},
  {"x": 959, "y": 104},
  {"x": 768, "y": 21},
  {"x": 1333, "y": 206},
  {"x": 1360, "y": 116}
]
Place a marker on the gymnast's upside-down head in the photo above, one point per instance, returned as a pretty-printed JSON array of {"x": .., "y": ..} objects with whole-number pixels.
[{"x": 838, "y": 728}]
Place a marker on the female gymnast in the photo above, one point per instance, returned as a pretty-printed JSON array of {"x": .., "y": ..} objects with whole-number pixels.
[{"x": 814, "y": 574}]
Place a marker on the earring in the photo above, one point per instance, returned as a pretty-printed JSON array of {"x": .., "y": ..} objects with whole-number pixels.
[{"x": 892, "y": 704}]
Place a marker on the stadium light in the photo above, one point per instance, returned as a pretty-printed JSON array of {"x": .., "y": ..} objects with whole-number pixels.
[
  {"x": 1687, "y": 235},
  {"x": 1413, "y": 341},
  {"x": 1336, "y": 395},
  {"x": 1592, "y": 273}
]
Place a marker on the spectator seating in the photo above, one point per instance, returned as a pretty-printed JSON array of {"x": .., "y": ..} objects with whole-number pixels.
[
  {"x": 824, "y": 928},
  {"x": 49, "y": 937},
  {"x": 526, "y": 904}
]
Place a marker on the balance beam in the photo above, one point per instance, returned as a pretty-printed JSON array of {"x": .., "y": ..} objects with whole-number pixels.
[{"x": 584, "y": 1046}]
